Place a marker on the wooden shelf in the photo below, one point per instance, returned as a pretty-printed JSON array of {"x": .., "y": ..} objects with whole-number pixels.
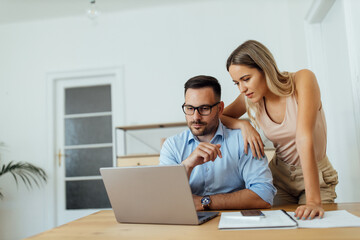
[
  {"x": 138, "y": 156},
  {"x": 128, "y": 129},
  {"x": 159, "y": 125},
  {"x": 153, "y": 159}
]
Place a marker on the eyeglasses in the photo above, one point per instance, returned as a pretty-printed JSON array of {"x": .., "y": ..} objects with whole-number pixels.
[{"x": 203, "y": 110}]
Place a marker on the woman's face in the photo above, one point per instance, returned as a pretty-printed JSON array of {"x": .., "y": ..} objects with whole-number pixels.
[{"x": 250, "y": 81}]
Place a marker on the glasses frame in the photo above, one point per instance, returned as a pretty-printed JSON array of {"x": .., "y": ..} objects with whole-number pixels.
[{"x": 197, "y": 108}]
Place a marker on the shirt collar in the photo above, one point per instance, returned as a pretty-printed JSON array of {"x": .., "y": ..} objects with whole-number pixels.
[{"x": 219, "y": 132}]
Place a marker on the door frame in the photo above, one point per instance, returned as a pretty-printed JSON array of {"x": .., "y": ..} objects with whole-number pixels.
[{"x": 118, "y": 100}]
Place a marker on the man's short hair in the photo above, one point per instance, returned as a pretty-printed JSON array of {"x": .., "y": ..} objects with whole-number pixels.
[{"x": 203, "y": 81}]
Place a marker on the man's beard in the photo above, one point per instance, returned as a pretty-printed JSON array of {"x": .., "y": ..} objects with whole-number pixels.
[
  {"x": 205, "y": 131},
  {"x": 198, "y": 132}
]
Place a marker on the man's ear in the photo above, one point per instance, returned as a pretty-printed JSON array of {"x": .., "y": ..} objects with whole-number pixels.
[{"x": 221, "y": 107}]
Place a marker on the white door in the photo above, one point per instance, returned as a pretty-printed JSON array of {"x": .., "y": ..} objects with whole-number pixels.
[{"x": 86, "y": 115}]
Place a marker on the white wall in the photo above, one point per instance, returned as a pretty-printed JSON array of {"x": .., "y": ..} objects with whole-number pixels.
[
  {"x": 338, "y": 103},
  {"x": 159, "y": 48},
  {"x": 333, "y": 55},
  {"x": 352, "y": 19},
  {"x": 354, "y": 6}
]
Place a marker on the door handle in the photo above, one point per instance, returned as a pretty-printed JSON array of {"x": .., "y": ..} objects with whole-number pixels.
[{"x": 59, "y": 156}]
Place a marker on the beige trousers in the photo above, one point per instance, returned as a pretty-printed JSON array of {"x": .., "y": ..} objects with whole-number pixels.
[{"x": 289, "y": 182}]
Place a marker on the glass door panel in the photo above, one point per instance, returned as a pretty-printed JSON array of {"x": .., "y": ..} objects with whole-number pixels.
[{"x": 88, "y": 145}]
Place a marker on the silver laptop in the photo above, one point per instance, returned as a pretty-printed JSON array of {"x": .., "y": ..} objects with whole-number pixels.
[{"x": 152, "y": 194}]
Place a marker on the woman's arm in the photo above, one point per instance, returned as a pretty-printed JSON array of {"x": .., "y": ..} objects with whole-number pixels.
[
  {"x": 237, "y": 108},
  {"x": 230, "y": 118},
  {"x": 308, "y": 98}
]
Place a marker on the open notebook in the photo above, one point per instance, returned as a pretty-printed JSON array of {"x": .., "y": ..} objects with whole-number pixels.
[
  {"x": 272, "y": 219},
  {"x": 281, "y": 219}
]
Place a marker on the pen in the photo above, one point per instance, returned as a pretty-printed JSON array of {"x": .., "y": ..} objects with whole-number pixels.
[{"x": 297, "y": 224}]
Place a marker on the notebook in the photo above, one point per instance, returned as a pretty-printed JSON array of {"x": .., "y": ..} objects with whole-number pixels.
[
  {"x": 281, "y": 219},
  {"x": 272, "y": 219},
  {"x": 152, "y": 194}
]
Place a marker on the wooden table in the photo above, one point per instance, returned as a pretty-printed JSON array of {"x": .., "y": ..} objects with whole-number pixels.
[{"x": 102, "y": 225}]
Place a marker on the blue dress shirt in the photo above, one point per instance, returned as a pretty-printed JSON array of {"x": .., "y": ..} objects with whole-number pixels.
[{"x": 233, "y": 172}]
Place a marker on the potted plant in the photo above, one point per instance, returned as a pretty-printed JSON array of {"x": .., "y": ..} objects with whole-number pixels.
[{"x": 24, "y": 171}]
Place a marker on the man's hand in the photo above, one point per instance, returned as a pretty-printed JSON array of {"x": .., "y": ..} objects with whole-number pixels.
[{"x": 203, "y": 153}]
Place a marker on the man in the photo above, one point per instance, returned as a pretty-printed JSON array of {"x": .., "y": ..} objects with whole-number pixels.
[{"x": 221, "y": 176}]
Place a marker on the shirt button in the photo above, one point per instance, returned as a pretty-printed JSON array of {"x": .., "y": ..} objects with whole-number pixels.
[{"x": 207, "y": 169}]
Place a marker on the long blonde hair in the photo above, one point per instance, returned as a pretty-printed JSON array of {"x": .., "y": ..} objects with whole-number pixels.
[{"x": 254, "y": 54}]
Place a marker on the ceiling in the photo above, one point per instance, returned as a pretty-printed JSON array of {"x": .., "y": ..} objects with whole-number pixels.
[{"x": 12, "y": 11}]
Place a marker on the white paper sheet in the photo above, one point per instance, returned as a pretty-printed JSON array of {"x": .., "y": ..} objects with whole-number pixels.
[{"x": 332, "y": 219}]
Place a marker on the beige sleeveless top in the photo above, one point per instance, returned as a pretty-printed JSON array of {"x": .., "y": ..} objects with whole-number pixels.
[{"x": 283, "y": 134}]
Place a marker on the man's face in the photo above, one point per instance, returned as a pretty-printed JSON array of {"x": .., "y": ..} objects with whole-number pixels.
[{"x": 204, "y": 127}]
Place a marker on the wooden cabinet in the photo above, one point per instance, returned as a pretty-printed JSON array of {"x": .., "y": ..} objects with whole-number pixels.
[{"x": 138, "y": 160}]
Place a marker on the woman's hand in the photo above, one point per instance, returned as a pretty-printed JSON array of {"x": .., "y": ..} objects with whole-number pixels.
[
  {"x": 309, "y": 211},
  {"x": 249, "y": 133},
  {"x": 252, "y": 137}
]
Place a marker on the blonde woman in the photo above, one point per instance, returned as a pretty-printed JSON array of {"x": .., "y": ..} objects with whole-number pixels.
[{"x": 287, "y": 107}]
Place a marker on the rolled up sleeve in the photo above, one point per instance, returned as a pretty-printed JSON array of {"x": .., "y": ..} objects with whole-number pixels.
[{"x": 258, "y": 177}]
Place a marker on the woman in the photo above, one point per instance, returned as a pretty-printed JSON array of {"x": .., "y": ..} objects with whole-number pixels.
[{"x": 287, "y": 107}]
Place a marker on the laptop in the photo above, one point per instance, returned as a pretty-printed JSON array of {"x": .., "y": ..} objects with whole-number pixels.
[{"x": 152, "y": 194}]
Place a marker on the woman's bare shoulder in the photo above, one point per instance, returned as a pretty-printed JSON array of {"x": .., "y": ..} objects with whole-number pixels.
[
  {"x": 304, "y": 78},
  {"x": 306, "y": 86},
  {"x": 304, "y": 75}
]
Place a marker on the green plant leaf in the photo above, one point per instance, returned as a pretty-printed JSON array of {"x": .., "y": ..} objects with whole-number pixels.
[{"x": 27, "y": 172}]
